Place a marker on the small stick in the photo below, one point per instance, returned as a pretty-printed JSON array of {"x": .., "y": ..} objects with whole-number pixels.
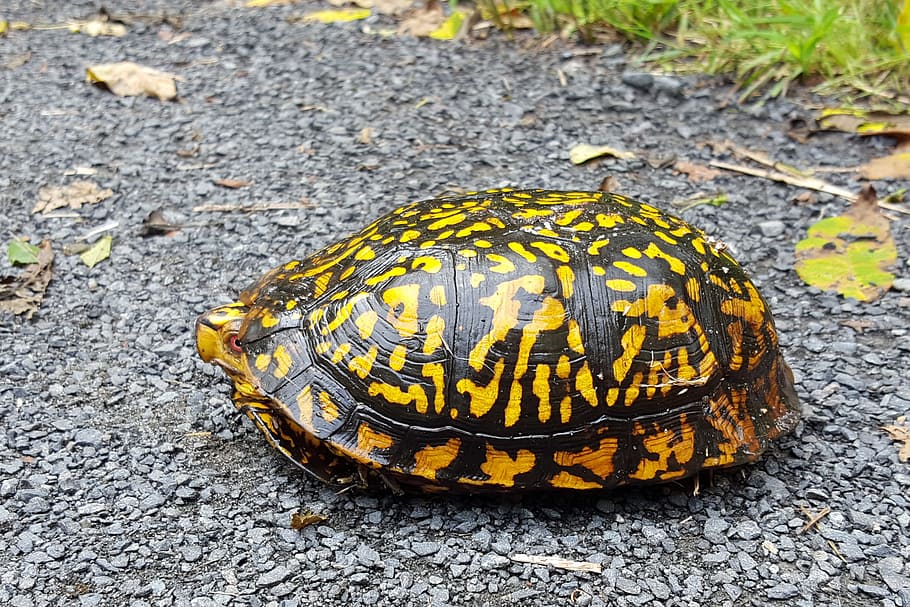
[
  {"x": 813, "y": 519},
  {"x": 251, "y": 208},
  {"x": 811, "y": 183},
  {"x": 558, "y": 562}
]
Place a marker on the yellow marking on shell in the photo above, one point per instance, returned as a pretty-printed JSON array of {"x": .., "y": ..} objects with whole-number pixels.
[
  {"x": 447, "y": 221},
  {"x": 584, "y": 384},
  {"x": 630, "y": 268},
  {"x": 655, "y": 252},
  {"x": 503, "y": 265},
  {"x": 340, "y": 352},
  {"x": 598, "y": 270},
  {"x": 563, "y": 366},
  {"x": 365, "y": 323},
  {"x": 621, "y": 284},
  {"x": 681, "y": 231},
  {"x": 292, "y": 277},
  {"x": 323, "y": 347},
  {"x": 609, "y": 221},
  {"x": 665, "y": 444},
  {"x": 291, "y": 265},
  {"x": 567, "y": 480},
  {"x": 474, "y": 227},
  {"x": 461, "y": 267},
  {"x": 638, "y": 220},
  {"x": 595, "y": 247},
  {"x": 566, "y": 278},
  {"x": 438, "y": 295},
  {"x": 541, "y": 389},
  {"x": 482, "y": 398},
  {"x": 632, "y": 252},
  {"x": 549, "y": 317},
  {"x": 363, "y": 364},
  {"x": 483, "y": 244},
  {"x": 268, "y": 319},
  {"x": 521, "y": 250},
  {"x": 343, "y": 314},
  {"x": 397, "y": 396},
  {"x": 567, "y": 217},
  {"x": 583, "y": 226},
  {"x": 262, "y": 362},
  {"x": 365, "y": 253},
  {"x": 612, "y": 396},
  {"x": 574, "y": 339},
  {"x": 392, "y": 273},
  {"x": 409, "y": 235},
  {"x": 435, "y": 327},
  {"x": 532, "y": 213},
  {"x": 397, "y": 358},
  {"x": 599, "y": 461},
  {"x": 426, "y": 244},
  {"x": 546, "y": 232},
  {"x": 665, "y": 237},
  {"x": 404, "y": 296},
  {"x": 634, "y": 388},
  {"x": 433, "y": 458},
  {"x": 283, "y": 361},
  {"x": 305, "y": 406},
  {"x": 476, "y": 279},
  {"x": 496, "y": 221},
  {"x": 505, "y": 314},
  {"x": 346, "y": 273},
  {"x": 693, "y": 289},
  {"x": 468, "y": 253},
  {"x": 631, "y": 342},
  {"x": 428, "y": 264},
  {"x": 329, "y": 409},
  {"x": 565, "y": 409},
  {"x": 436, "y": 372},
  {"x": 698, "y": 243},
  {"x": 551, "y": 250},
  {"x": 502, "y": 468},
  {"x": 369, "y": 439}
]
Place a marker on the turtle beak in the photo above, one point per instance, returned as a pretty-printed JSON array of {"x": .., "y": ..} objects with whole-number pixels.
[{"x": 213, "y": 329}]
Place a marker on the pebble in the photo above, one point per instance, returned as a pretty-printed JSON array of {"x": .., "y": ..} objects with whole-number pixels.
[
  {"x": 639, "y": 80},
  {"x": 783, "y": 591},
  {"x": 273, "y": 576},
  {"x": 772, "y": 228}
]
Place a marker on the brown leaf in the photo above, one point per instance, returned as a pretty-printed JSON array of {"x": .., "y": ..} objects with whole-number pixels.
[
  {"x": 696, "y": 173},
  {"x": 23, "y": 293},
  {"x": 895, "y": 166},
  {"x": 900, "y": 434},
  {"x": 805, "y": 197},
  {"x": 73, "y": 196},
  {"x": 128, "y": 79},
  {"x": 864, "y": 122},
  {"x": 299, "y": 520},
  {"x": 232, "y": 183},
  {"x": 609, "y": 184},
  {"x": 422, "y": 21},
  {"x": 17, "y": 61}
]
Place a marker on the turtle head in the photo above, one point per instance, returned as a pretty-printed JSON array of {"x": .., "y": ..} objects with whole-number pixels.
[{"x": 218, "y": 342}]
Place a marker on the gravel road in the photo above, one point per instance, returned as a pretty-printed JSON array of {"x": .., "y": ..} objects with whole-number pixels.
[{"x": 126, "y": 475}]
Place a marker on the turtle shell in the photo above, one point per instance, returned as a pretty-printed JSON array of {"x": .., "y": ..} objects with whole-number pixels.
[{"x": 513, "y": 340}]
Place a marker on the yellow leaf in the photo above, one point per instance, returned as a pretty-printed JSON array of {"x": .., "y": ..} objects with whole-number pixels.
[
  {"x": 851, "y": 253},
  {"x": 98, "y": 252},
  {"x": 337, "y": 16},
  {"x": 584, "y": 152},
  {"x": 895, "y": 166},
  {"x": 449, "y": 28},
  {"x": 865, "y": 122},
  {"x": 128, "y": 79}
]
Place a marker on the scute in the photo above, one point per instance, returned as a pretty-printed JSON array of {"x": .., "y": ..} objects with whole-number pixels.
[{"x": 522, "y": 340}]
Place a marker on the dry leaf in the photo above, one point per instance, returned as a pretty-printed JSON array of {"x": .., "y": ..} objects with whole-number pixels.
[
  {"x": 98, "y": 252},
  {"x": 73, "y": 196},
  {"x": 17, "y": 61},
  {"x": 23, "y": 293},
  {"x": 895, "y": 166},
  {"x": 850, "y": 253},
  {"x": 422, "y": 21},
  {"x": 584, "y": 152},
  {"x": 99, "y": 26},
  {"x": 128, "y": 79},
  {"x": 696, "y": 173},
  {"x": 609, "y": 184},
  {"x": 232, "y": 183},
  {"x": 865, "y": 122},
  {"x": 300, "y": 520},
  {"x": 340, "y": 15},
  {"x": 902, "y": 435}
]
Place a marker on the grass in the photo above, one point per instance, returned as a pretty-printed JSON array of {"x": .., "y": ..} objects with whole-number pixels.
[{"x": 852, "y": 48}]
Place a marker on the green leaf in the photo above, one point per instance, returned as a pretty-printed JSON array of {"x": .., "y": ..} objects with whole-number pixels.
[
  {"x": 22, "y": 252},
  {"x": 850, "y": 253},
  {"x": 449, "y": 28},
  {"x": 98, "y": 252}
]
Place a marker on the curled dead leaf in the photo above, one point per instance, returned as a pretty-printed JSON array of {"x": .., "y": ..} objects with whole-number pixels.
[
  {"x": 901, "y": 434},
  {"x": 72, "y": 196},
  {"x": 895, "y": 166},
  {"x": 24, "y": 292},
  {"x": 584, "y": 152},
  {"x": 696, "y": 173},
  {"x": 128, "y": 79},
  {"x": 300, "y": 520}
]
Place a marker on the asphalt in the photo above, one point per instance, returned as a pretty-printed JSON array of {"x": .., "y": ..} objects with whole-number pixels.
[{"x": 128, "y": 478}]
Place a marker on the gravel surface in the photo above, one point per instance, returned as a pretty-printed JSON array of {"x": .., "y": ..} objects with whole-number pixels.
[{"x": 126, "y": 475}]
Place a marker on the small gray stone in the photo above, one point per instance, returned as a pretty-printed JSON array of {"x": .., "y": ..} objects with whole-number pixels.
[
  {"x": 425, "y": 548},
  {"x": 658, "y": 588},
  {"x": 783, "y": 591},
  {"x": 638, "y": 80},
  {"x": 772, "y": 228},
  {"x": 715, "y": 529},
  {"x": 669, "y": 85},
  {"x": 491, "y": 560},
  {"x": 748, "y": 530},
  {"x": 628, "y": 586},
  {"x": 274, "y": 576},
  {"x": 901, "y": 284},
  {"x": 88, "y": 437},
  {"x": 366, "y": 555}
]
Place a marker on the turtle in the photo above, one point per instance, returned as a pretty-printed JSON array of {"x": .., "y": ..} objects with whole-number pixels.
[{"x": 507, "y": 341}]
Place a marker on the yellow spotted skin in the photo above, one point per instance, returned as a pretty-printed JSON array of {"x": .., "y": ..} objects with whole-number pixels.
[{"x": 514, "y": 340}]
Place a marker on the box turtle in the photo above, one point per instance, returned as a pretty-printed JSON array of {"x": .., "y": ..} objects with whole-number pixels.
[{"x": 506, "y": 341}]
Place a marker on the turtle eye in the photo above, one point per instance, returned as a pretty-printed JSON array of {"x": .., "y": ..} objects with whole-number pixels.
[{"x": 234, "y": 344}]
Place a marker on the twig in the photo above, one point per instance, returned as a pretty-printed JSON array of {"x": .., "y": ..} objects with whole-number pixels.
[
  {"x": 813, "y": 518},
  {"x": 811, "y": 183},
  {"x": 558, "y": 562},
  {"x": 251, "y": 208}
]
